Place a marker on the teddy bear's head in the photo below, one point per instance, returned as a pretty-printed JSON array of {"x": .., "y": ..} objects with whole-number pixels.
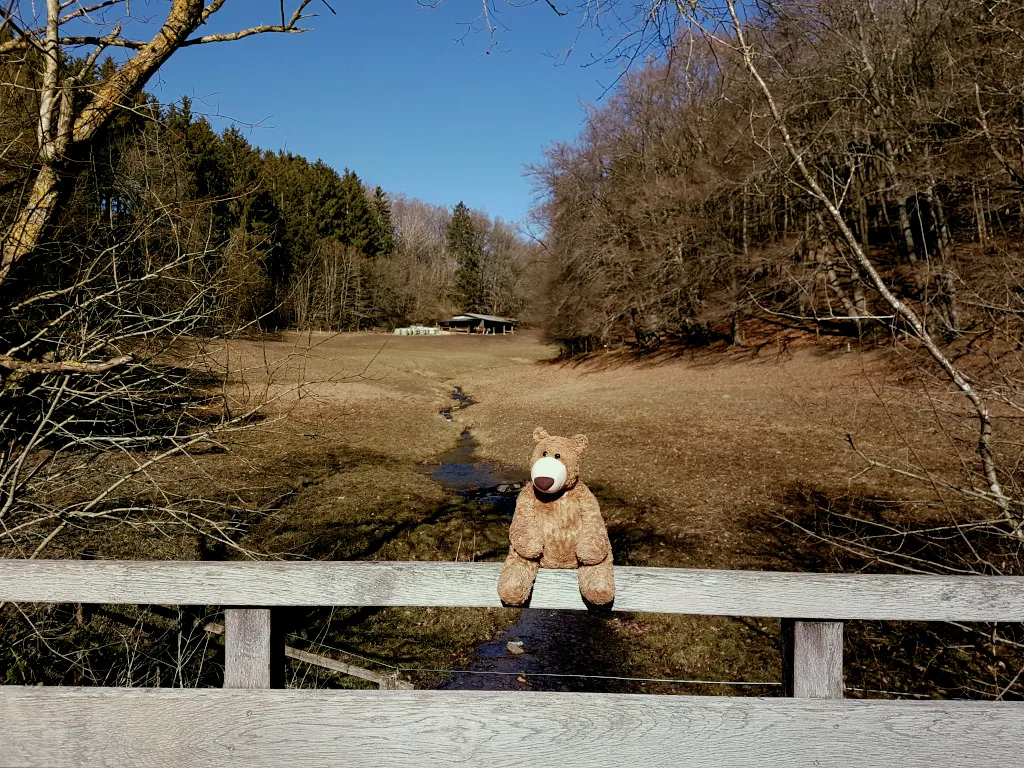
[{"x": 555, "y": 462}]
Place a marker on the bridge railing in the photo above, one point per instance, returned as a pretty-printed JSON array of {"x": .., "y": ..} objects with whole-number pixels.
[{"x": 249, "y": 723}]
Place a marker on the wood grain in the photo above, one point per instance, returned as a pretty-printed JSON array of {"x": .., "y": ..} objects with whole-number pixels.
[
  {"x": 253, "y": 649},
  {"x": 158, "y": 728},
  {"x": 656, "y": 590},
  {"x": 814, "y": 659}
]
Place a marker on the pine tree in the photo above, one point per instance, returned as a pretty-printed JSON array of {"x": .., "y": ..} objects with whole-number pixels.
[
  {"x": 356, "y": 220},
  {"x": 464, "y": 244},
  {"x": 382, "y": 240},
  {"x": 198, "y": 148},
  {"x": 252, "y": 216}
]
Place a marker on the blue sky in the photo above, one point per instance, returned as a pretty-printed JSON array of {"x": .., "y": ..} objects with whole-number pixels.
[{"x": 384, "y": 88}]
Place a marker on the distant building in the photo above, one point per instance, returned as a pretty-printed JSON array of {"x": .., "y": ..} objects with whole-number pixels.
[{"x": 470, "y": 322}]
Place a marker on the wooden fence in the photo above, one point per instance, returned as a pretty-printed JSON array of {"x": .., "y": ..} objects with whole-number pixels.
[{"x": 249, "y": 723}]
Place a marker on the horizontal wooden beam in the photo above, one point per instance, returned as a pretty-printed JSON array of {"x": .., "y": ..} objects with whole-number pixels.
[
  {"x": 158, "y": 728},
  {"x": 655, "y": 590}
]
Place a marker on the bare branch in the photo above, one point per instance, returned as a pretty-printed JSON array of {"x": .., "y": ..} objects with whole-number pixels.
[
  {"x": 232, "y": 36},
  {"x": 67, "y": 366}
]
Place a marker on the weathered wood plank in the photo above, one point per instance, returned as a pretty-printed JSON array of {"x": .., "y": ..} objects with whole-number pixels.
[
  {"x": 253, "y": 649},
  {"x": 658, "y": 590},
  {"x": 158, "y": 728},
  {"x": 335, "y": 666},
  {"x": 813, "y": 664}
]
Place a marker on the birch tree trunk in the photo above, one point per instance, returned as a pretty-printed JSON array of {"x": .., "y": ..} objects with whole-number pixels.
[{"x": 64, "y": 132}]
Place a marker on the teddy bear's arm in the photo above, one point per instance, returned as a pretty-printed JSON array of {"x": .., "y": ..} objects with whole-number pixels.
[
  {"x": 526, "y": 534},
  {"x": 592, "y": 544}
]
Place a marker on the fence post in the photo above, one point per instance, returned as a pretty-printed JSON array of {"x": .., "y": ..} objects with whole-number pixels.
[
  {"x": 812, "y": 662},
  {"x": 253, "y": 649}
]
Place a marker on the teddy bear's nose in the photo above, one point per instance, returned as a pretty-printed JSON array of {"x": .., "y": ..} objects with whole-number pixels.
[{"x": 544, "y": 483}]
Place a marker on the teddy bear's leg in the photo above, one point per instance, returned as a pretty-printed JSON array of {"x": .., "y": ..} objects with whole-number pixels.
[
  {"x": 597, "y": 582},
  {"x": 516, "y": 581}
]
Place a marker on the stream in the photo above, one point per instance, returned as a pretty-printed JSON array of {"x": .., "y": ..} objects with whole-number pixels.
[{"x": 541, "y": 641}]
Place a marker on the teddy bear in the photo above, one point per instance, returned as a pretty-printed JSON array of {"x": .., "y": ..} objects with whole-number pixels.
[{"x": 557, "y": 524}]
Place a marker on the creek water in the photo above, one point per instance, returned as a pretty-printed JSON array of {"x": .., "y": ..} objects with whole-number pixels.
[{"x": 547, "y": 637}]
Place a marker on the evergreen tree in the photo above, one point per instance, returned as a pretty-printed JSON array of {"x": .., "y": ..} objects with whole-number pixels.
[
  {"x": 464, "y": 244},
  {"x": 326, "y": 201},
  {"x": 356, "y": 219},
  {"x": 197, "y": 147},
  {"x": 254, "y": 223},
  {"x": 382, "y": 241}
]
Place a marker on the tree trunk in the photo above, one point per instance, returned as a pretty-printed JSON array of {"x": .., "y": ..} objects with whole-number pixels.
[
  {"x": 979, "y": 216},
  {"x": 860, "y": 299},
  {"x": 920, "y": 266},
  {"x": 833, "y": 279},
  {"x": 905, "y": 229},
  {"x": 734, "y": 283},
  {"x": 862, "y": 211},
  {"x": 27, "y": 228},
  {"x": 943, "y": 237},
  {"x": 949, "y": 277},
  {"x": 29, "y": 225}
]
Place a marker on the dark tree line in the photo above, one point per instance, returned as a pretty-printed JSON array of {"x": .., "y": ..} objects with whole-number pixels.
[{"x": 289, "y": 242}]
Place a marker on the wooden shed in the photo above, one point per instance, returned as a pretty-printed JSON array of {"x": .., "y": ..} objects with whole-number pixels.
[{"x": 471, "y": 322}]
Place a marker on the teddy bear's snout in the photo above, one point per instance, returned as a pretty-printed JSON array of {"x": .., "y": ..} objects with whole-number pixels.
[{"x": 548, "y": 474}]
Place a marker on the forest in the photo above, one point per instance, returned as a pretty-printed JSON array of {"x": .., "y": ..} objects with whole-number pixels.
[
  {"x": 679, "y": 213},
  {"x": 254, "y": 240}
]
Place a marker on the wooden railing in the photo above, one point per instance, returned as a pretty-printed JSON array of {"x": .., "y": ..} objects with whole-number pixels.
[{"x": 248, "y": 723}]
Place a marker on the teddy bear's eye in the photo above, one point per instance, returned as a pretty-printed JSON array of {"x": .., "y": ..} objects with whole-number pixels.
[
  {"x": 558, "y": 455},
  {"x": 545, "y": 453}
]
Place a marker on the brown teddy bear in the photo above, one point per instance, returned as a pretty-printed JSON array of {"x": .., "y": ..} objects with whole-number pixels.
[{"x": 557, "y": 524}]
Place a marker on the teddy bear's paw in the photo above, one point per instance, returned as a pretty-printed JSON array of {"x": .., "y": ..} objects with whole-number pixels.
[
  {"x": 597, "y": 584},
  {"x": 516, "y": 581},
  {"x": 513, "y": 594},
  {"x": 599, "y": 597}
]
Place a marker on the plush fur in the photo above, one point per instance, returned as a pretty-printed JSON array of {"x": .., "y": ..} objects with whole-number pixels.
[{"x": 559, "y": 530}]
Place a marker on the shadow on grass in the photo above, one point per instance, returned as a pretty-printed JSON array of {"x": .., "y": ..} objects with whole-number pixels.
[
  {"x": 817, "y": 529},
  {"x": 769, "y": 341},
  {"x": 639, "y": 534}
]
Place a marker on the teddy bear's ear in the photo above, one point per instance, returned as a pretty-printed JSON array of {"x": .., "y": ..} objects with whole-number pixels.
[
  {"x": 580, "y": 442},
  {"x": 539, "y": 434}
]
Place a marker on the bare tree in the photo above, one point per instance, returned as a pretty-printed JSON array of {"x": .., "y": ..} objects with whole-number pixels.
[
  {"x": 73, "y": 113},
  {"x": 105, "y": 304},
  {"x": 81, "y": 442}
]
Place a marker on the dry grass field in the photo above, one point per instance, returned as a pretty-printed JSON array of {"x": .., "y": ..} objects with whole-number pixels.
[
  {"x": 692, "y": 458},
  {"x": 695, "y": 459}
]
